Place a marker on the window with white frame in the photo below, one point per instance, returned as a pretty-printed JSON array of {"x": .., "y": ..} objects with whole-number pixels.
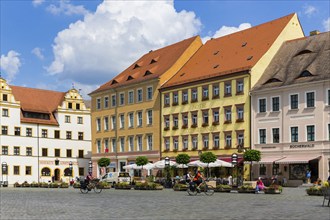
[
  {"x": 149, "y": 93},
  {"x": 240, "y": 113},
  {"x": 121, "y": 98},
  {"x": 175, "y": 143},
  {"x": 113, "y": 122},
  {"x": 131, "y": 143},
  {"x": 310, "y": 133},
  {"x": 167, "y": 144},
  {"x": 276, "y": 135},
  {"x": 228, "y": 140},
  {"x": 215, "y": 115},
  {"x": 262, "y": 136},
  {"x": 139, "y": 119},
  {"x": 139, "y": 95},
  {"x": 167, "y": 121},
  {"x": 114, "y": 145},
  {"x": 175, "y": 98},
  {"x": 310, "y": 99},
  {"x": 205, "y": 141},
  {"x": 175, "y": 121},
  {"x": 122, "y": 121},
  {"x": 216, "y": 141},
  {"x": 239, "y": 86},
  {"x": 98, "y": 124},
  {"x": 294, "y": 101},
  {"x": 294, "y": 134},
  {"x": 98, "y": 103},
  {"x": 106, "y": 123},
  {"x": 228, "y": 89},
  {"x": 130, "y": 97},
  {"x": 205, "y": 92},
  {"x": 328, "y": 100},
  {"x": 275, "y": 104},
  {"x": 113, "y": 101},
  {"x": 106, "y": 102},
  {"x": 98, "y": 146},
  {"x": 67, "y": 119},
  {"x": 5, "y": 112},
  {"x": 80, "y": 120},
  {"x": 205, "y": 117},
  {"x": 44, "y": 133},
  {"x": 194, "y": 95},
  {"x": 185, "y": 119},
  {"x": 185, "y": 96},
  {"x": 194, "y": 118},
  {"x": 240, "y": 139},
  {"x": 167, "y": 99},
  {"x": 185, "y": 142},
  {"x": 262, "y": 105},
  {"x": 28, "y": 132},
  {"x": 106, "y": 145},
  {"x": 149, "y": 117},
  {"x": 139, "y": 143},
  {"x": 122, "y": 144},
  {"x": 228, "y": 114},
  {"x": 216, "y": 90},
  {"x": 150, "y": 142},
  {"x": 194, "y": 141},
  {"x": 130, "y": 120}
]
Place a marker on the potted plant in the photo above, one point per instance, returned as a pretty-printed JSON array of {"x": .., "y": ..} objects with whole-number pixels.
[
  {"x": 123, "y": 186},
  {"x": 53, "y": 185},
  {"x": 76, "y": 185},
  {"x": 34, "y": 184},
  {"x": 26, "y": 184},
  {"x": 252, "y": 155},
  {"x": 64, "y": 185},
  {"x": 104, "y": 185},
  {"x": 17, "y": 184},
  {"x": 273, "y": 189},
  {"x": 222, "y": 188},
  {"x": 180, "y": 187},
  {"x": 246, "y": 189}
]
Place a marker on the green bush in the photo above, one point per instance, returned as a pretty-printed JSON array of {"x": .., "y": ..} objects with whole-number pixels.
[{"x": 221, "y": 186}]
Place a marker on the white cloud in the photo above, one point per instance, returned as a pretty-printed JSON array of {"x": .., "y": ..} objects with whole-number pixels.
[
  {"x": 326, "y": 24},
  {"x": 104, "y": 43},
  {"x": 36, "y": 3},
  {"x": 38, "y": 52},
  {"x": 224, "y": 30},
  {"x": 309, "y": 10},
  {"x": 64, "y": 7},
  {"x": 10, "y": 64}
]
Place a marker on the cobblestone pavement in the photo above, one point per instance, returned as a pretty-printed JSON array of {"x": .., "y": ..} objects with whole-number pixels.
[{"x": 25, "y": 203}]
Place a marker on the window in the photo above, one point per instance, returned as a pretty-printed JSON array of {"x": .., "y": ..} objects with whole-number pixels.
[
  {"x": 185, "y": 97},
  {"x": 175, "y": 121},
  {"x": 44, "y": 133},
  {"x": 98, "y": 124},
  {"x": 28, "y": 170},
  {"x": 166, "y": 99},
  {"x": 194, "y": 142},
  {"x": 122, "y": 144},
  {"x": 113, "y": 122},
  {"x": 57, "y": 134},
  {"x": 67, "y": 119},
  {"x": 206, "y": 141},
  {"x": 4, "y": 130},
  {"x": 16, "y": 170},
  {"x": 240, "y": 113},
  {"x": 262, "y": 136},
  {"x": 106, "y": 102},
  {"x": 228, "y": 89},
  {"x": 28, "y": 132},
  {"x": 262, "y": 105},
  {"x": 131, "y": 143},
  {"x": 275, "y": 104},
  {"x": 29, "y": 151},
  {"x": 80, "y": 135},
  {"x": 205, "y": 92},
  {"x": 276, "y": 135},
  {"x": 4, "y": 150},
  {"x": 106, "y": 145},
  {"x": 239, "y": 86},
  {"x": 122, "y": 121},
  {"x": 149, "y": 139},
  {"x": 329, "y": 136},
  {"x": 194, "y": 95},
  {"x": 167, "y": 144},
  {"x": 216, "y": 91},
  {"x": 175, "y": 143},
  {"x": 80, "y": 120},
  {"x": 98, "y": 103},
  {"x": 149, "y": 93},
  {"x": 310, "y": 99},
  {"x": 114, "y": 145},
  {"x": 5, "y": 97},
  {"x": 130, "y": 120},
  {"x": 228, "y": 140},
  {"x": 68, "y": 135},
  {"x": 80, "y": 153},
  {"x": 98, "y": 146},
  {"x": 175, "y": 98},
  {"x": 216, "y": 141},
  {"x": 215, "y": 116},
  {"x": 310, "y": 133},
  {"x": 205, "y": 117},
  {"x": 68, "y": 153},
  {"x": 262, "y": 169},
  {"x": 45, "y": 171},
  {"x": 194, "y": 119},
  {"x": 121, "y": 98},
  {"x": 294, "y": 101},
  {"x": 139, "y": 97},
  {"x": 70, "y": 105},
  {"x": 130, "y": 97},
  {"x": 228, "y": 115},
  {"x": 81, "y": 171},
  {"x": 57, "y": 152},
  {"x": 185, "y": 120},
  {"x": 106, "y": 123},
  {"x": 139, "y": 143},
  {"x": 78, "y": 106},
  {"x": 328, "y": 101},
  {"x": 240, "y": 139},
  {"x": 167, "y": 121},
  {"x": 139, "y": 119},
  {"x": 17, "y": 131},
  {"x": 294, "y": 134},
  {"x": 44, "y": 152},
  {"x": 16, "y": 151},
  {"x": 149, "y": 117},
  {"x": 185, "y": 142},
  {"x": 113, "y": 101},
  {"x": 5, "y": 112}
]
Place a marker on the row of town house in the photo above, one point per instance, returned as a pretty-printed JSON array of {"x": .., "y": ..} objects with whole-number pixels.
[{"x": 264, "y": 88}]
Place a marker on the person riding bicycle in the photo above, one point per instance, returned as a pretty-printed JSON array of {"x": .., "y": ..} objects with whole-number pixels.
[
  {"x": 198, "y": 179},
  {"x": 88, "y": 178}
]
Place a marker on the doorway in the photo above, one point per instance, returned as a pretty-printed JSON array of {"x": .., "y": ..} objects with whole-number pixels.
[
  {"x": 314, "y": 168},
  {"x": 57, "y": 174}
]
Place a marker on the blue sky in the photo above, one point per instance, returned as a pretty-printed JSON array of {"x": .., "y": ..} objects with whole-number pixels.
[{"x": 52, "y": 44}]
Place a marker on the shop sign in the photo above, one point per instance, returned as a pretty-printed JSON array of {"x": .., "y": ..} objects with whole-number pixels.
[{"x": 301, "y": 145}]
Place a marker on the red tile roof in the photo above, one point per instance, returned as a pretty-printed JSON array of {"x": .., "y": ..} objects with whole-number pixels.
[
  {"x": 149, "y": 66},
  {"x": 38, "y": 101},
  {"x": 231, "y": 53}
]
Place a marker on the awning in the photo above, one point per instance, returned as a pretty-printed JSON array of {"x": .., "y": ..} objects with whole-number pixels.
[
  {"x": 270, "y": 159},
  {"x": 228, "y": 159},
  {"x": 297, "y": 159}
]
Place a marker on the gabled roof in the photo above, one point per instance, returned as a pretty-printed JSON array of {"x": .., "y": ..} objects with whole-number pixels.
[
  {"x": 298, "y": 61},
  {"x": 149, "y": 66},
  {"x": 38, "y": 101},
  {"x": 232, "y": 53}
]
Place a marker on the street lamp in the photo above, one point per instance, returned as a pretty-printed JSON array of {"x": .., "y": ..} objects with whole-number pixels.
[
  {"x": 234, "y": 158},
  {"x": 90, "y": 166},
  {"x": 70, "y": 167},
  {"x": 57, "y": 162},
  {"x": 167, "y": 166}
]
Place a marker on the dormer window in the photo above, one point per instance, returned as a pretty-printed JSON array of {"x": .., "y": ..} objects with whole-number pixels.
[
  {"x": 147, "y": 73},
  {"x": 216, "y": 52},
  {"x": 113, "y": 82},
  {"x": 305, "y": 73},
  {"x": 70, "y": 105},
  {"x": 216, "y": 66},
  {"x": 272, "y": 80},
  {"x": 136, "y": 66},
  {"x": 303, "y": 52},
  {"x": 250, "y": 58},
  {"x": 153, "y": 61},
  {"x": 244, "y": 44},
  {"x": 129, "y": 78}
]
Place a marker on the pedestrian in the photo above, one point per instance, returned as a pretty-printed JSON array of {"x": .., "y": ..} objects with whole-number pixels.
[
  {"x": 260, "y": 185},
  {"x": 308, "y": 175}
]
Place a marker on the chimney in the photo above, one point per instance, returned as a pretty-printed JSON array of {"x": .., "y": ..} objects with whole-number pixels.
[{"x": 312, "y": 33}]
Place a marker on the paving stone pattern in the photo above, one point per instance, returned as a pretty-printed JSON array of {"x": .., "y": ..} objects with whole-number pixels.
[{"x": 30, "y": 203}]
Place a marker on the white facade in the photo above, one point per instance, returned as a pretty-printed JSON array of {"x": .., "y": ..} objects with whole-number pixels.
[
  {"x": 304, "y": 132},
  {"x": 28, "y": 155}
]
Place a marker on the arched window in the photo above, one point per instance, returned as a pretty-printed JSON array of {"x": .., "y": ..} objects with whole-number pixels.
[
  {"x": 67, "y": 172},
  {"x": 45, "y": 171}
]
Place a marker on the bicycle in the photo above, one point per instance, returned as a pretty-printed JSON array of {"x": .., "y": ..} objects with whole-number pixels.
[
  {"x": 204, "y": 187},
  {"x": 93, "y": 184}
]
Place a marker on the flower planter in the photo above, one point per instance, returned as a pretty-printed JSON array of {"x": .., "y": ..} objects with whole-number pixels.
[
  {"x": 246, "y": 191},
  {"x": 125, "y": 188},
  {"x": 222, "y": 190},
  {"x": 314, "y": 192},
  {"x": 272, "y": 191}
]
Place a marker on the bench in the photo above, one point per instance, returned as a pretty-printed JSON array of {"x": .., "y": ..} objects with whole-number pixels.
[
  {"x": 250, "y": 183},
  {"x": 326, "y": 194}
]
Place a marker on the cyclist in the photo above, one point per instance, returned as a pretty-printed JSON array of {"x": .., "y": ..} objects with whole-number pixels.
[
  {"x": 198, "y": 179},
  {"x": 88, "y": 178}
]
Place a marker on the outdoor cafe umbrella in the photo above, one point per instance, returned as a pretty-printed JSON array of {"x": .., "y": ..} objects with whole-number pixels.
[
  {"x": 161, "y": 164},
  {"x": 148, "y": 166},
  {"x": 130, "y": 167},
  {"x": 181, "y": 165},
  {"x": 217, "y": 163}
]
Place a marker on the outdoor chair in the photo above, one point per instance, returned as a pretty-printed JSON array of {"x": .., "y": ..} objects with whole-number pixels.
[{"x": 326, "y": 194}]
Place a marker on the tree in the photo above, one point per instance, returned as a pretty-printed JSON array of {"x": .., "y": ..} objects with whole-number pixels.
[
  {"x": 103, "y": 162},
  {"x": 182, "y": 159},
  {"x": 141, "y": 161},
  {"x": 208, "y": 157},
  {"x": 252, "y": 155}
]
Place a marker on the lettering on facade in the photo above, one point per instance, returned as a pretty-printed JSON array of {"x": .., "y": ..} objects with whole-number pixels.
[
  {"x": 301, "y": 145},
  {"x": 197, "y": 106},
  {"x": 266, "y": 147},
  {"x": 200, "y": 130},
  {"x": 50, "y": 162}
]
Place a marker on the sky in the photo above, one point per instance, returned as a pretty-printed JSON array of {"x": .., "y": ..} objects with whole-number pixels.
[{"x": 60, "y": 44}]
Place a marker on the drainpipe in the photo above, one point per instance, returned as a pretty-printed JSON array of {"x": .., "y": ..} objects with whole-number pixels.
[
  {"x": 38, "y": 153},
  {"x": 116, "y": 130}
]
